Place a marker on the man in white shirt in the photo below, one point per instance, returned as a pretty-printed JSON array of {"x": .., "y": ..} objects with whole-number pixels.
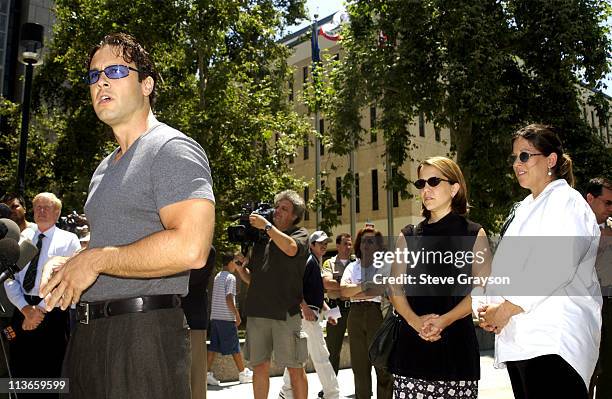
[
  {"x": 37, "y": 331},
  {"x": 599, "y": 197}
]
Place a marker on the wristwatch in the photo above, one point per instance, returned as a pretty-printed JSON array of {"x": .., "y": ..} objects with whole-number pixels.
[{"x": 267, "y": 227}]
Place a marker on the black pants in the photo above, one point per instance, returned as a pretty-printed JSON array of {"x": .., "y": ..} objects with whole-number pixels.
[
  {"x": 135, "y": 355},
  {"x": 335, "y": 337},
  {"x": 602, "y": 378},
  {"x": 545, "y": 377},
  {"x": 39, "y": 353}
]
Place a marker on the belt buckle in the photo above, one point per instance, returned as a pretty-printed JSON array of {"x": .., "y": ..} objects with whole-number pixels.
[
  {"x": 85, "y": 312},
  {"x": 347, "y": 304}
]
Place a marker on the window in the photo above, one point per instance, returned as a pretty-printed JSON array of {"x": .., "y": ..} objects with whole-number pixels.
[
  {"x": 374, "y": 189},
  {"x": 593, "y": 119},
  {"x": 306, "y": 199},
  {"x": 322, "y": 132},
  {"x": 356, "y": 192},
  {"x": 339, "y": 194},
  {"x": 305, "y": 74},
  {"x": 290, "y": 85},
  {"x": 372, "y": 124},
  {"x": 421, "y": 125},
  {"x": 437, "y": 132},
  {"x": 395, "y": 192}
]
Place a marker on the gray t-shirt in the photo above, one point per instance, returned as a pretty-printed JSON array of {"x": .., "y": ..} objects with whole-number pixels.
[{"x": 162, "y": 167}]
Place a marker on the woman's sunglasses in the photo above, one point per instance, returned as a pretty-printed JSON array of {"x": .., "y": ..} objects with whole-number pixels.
[
  {"x": 432, "y": 181},
  {"x": 111, "y": 72},
  {"x": 523, "y": 157}
]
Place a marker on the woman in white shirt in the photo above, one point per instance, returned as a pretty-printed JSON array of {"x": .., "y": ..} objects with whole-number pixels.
[
  {"x": 365, "y": 316},
  {"x": 548, "y": 320}
]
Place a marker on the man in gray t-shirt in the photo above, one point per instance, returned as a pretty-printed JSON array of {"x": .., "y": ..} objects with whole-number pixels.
[{"x": 151, "y": 212}]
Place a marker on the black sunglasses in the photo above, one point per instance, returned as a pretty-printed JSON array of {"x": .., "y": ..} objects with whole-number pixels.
[
  {"x": 432, "y": 181},
  {"x": 523, "y": 157},
  {"x": 111, "y": 72}
]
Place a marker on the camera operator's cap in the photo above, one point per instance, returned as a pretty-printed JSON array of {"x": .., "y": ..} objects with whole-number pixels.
[{"x": 318, "y": 236}]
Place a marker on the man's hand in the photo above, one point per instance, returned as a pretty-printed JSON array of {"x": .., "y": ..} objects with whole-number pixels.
[
  {"x": 308, "y": 314},
  {"x": 258, "y": 221},
  {"x": 33, "y": 317},
  {"x": 64, "y": 285},
  {"x": 332, "y": 321},
  {"x": 238, "y": 321}
]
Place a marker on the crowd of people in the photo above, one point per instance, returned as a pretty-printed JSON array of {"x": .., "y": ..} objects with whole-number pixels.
[{"x": 137, "y": 292}]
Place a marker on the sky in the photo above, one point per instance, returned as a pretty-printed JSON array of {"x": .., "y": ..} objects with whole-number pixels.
[{"x": 327, "y": 7}]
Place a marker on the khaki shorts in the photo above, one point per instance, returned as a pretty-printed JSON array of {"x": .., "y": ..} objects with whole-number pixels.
[{"x": 283, "y": 341}]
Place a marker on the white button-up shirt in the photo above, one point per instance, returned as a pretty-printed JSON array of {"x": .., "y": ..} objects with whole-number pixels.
[
  {"x": 355, "y": 274},
  {"x": 57, "y": 242},
  {"x": 565, "y": 318}
]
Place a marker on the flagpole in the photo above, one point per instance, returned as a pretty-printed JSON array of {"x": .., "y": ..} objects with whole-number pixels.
[{"x": 317, "y": 141}]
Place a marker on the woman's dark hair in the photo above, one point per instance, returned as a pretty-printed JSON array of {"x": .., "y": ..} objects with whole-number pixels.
[
  {"x": 131, "y": 51},
  {"x": 377, "y": 236},
  {"x": 545, "y": 139}
]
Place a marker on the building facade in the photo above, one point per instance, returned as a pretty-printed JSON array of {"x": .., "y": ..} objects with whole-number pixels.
[{"x": 373, "y": 203}]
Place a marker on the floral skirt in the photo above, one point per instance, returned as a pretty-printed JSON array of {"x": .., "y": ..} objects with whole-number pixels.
[{"x": 414, "y": 388}]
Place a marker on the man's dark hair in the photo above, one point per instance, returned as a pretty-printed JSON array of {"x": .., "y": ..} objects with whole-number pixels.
[
  {"x": 340, "y": 236},
  {"x": 131, "y": 51},
  {"x": 8, "y": 197},
  {"x": 596, "y": 185}
]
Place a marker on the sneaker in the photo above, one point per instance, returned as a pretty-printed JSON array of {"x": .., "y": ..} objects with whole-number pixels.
[
  {"x": 245, "y": 376},
  {"x": 211, "y": 380}
]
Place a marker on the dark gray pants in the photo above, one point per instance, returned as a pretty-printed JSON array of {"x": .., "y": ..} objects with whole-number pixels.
[
  {"x": 335, "y": 338},
  {"x": 136, "y": 355},
  {"x": 364, "y": 320}
]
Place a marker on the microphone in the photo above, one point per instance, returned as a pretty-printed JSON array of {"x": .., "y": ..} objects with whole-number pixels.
[
  {"x": 9, "y": 229},
  {"x": 9, "y": 255},
  {"x": 5, "y": 211},
  {"x": 27, "y": 252}
]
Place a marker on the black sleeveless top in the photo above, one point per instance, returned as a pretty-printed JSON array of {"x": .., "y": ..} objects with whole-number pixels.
[{"x": 456, "y": 355}]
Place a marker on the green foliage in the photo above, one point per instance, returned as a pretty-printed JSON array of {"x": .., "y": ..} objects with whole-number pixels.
[
  {"x": 481, "y": 68},
  {"x": 223, "y": 83}
]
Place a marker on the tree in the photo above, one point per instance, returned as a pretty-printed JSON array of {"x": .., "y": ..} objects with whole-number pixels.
[
  {"x": 482, "y": 68},
  {"x": 223, "y": 83}
]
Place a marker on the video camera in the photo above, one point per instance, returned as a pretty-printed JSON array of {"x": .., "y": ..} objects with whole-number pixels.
[
  {"x": 245, "y": 234},
  {"x": 74, "y": 223}
]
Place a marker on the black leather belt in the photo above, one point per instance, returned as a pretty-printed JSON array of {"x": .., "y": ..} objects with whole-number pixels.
[
  {"x": 339, "y": 302},
  {"x": 87, "y": 311}
]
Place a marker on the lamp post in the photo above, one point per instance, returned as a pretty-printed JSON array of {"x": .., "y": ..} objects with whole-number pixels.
[{"x": 30, "y": 54}]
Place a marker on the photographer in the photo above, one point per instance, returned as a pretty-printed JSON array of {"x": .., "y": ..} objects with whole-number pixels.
[{"x": 276, "y": 270}]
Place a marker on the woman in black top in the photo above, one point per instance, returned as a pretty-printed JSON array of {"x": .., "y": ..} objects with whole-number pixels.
[{"x": 436, "y": 352}]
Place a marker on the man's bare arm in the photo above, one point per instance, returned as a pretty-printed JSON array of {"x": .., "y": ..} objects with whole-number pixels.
[{"x": 184, "y": 244}]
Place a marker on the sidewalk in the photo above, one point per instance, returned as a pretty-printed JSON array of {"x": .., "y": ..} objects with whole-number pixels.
[{"x": 494, "y": 384}]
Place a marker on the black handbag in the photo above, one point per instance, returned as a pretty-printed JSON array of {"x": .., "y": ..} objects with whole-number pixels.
[{"x": 384, "y": 341}]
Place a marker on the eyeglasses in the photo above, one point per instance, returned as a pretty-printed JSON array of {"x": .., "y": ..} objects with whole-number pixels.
[
  {"x": 111, "y": 72},
  {"x": 523, "y": 157},
  {"x": 432, "y": 181},
  {"x": 238, "y": 262}
]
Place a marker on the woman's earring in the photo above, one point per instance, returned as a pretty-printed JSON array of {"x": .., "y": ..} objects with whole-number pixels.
[{"x": 549, "y": 172}]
